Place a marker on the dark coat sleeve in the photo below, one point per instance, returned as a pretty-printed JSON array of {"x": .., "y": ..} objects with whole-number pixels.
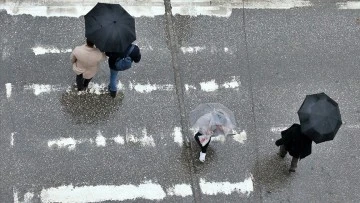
[{"x": 112, "y": 58}]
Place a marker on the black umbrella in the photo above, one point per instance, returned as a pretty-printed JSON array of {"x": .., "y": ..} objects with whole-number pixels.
[
  {"x": 320, "y": 117},
  {"x": 110, "y": 27}
]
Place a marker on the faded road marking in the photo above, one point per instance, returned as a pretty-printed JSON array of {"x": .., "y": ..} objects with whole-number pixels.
[
  {"x": 43, "y": 50},
  {"x": 349, "y": 5},
  {"x": 214, "y": 188},
  {"x": 8, "y": 87},
  {"x": 151, "y": 8}
]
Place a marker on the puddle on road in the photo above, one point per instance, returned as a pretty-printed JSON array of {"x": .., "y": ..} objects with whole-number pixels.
[{"x": 87, "y": 108}]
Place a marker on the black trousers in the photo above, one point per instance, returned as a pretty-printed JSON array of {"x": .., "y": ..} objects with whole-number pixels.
[
  {"x": 203, "y": 148},
  {"x": 81, "y": 82}
]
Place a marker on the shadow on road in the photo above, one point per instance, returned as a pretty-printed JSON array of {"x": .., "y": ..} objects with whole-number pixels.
[
  {"x": 89, "y": 108},
  {"x": 272, "y": 173}
]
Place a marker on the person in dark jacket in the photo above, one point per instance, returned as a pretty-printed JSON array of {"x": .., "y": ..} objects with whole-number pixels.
[
  {"x": 296, "y": 143},
  {"x": 135, "y": 55}
]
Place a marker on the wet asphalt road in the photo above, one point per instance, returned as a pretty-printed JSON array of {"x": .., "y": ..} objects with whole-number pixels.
[{"x": 277, "y": 56}]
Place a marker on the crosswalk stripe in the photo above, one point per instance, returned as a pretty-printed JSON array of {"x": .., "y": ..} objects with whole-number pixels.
[
  {"x": 101, "y": 88},
  {"x": 349, "y": 5},
  {"x": 149, "y": 190},
  {"x": 148, "y": 8},
  {"x": 8, "y": 88}
]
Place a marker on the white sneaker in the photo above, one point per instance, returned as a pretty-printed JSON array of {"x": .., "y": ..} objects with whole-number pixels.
[{"x": 202, "y": 157}]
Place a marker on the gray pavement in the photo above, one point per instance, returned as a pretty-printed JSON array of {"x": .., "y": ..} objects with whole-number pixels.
[{"x": 276, "y": 56}]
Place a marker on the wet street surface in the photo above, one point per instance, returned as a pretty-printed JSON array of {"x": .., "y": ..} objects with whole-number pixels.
[{"x": 259, "y": 59}]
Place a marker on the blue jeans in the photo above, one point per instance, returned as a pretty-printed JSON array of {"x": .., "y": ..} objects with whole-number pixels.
[{"x": 113, "y": 80}]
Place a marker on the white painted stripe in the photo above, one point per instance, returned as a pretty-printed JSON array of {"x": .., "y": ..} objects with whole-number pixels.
[
  {"x": 16, "y": 195},
  {"x": 356, "y": 126},
  {"x": 240, "y": 137},
  {"x": 181, "y": 190},
  {"x": 8, "y": 87},
  {"x": 349, "y": 5},
  {"x": 150, "y": 8},
  {"x": 234, "y": 83},
  {"x": 77, "y": 9},
  {"x": 146, "y": 140},
  {"x": 278, "y": 129},
  {"x": 219, "y": 138},
  {"x": 188, "y": 87},
  {"x": 119, "y": 140},
  {"x": 209, "y": 86},
  {"x": 12, "y": 139},
  {"x": 41, "y": 88},
  {"x": 49, "y": 50},
  {"x": 214, "y": 188},
  {"x": 69, "y": 143},
  {"x": 276, "y": 4},
  {"x": 147, "y": 88},
  {"x": 101, "y": 88},
  {"x": 178, "y": 138},
  {"x": 100, "y": 140},
  {"x": 191, "y": 50},
  {"x": 98, "y": 193}
]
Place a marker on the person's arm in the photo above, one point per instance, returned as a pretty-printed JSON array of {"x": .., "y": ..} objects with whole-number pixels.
[
  {"x": 279, "y": 142},
  {"x": 72, "y": 57}
]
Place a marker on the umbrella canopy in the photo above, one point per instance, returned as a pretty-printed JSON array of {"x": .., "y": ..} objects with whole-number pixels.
[
  {"x": 110, "y": 27},
  {"x": 320, "y": 117},
  {"x": 207, "y": 116}
]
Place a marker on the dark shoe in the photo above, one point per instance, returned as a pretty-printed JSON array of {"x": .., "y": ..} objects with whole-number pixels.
[
  {"x": 291, "y": 170},
  {"x": 81, "y": 89},
  {"x": 113, "y": 94}
]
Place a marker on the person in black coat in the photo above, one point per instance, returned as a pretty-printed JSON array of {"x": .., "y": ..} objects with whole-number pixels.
[
  {"x": 296, "y": 143},
  {"x": 135, "y": 55}
]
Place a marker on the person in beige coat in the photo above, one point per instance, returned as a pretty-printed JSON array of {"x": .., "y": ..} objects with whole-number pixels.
[{"x": 86, "y": 60}]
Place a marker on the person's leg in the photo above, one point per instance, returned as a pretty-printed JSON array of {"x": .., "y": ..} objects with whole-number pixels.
[
  {"x": 197, "y": 138},
  {"x": 294, "y": 163},
  {"x": 113, "y": 80},
  {"x": 80, "y": 82},
  {"x": 282, "y": 151},
  {"x": 86, "y": 83},
  {"x": 203, "y": 148},
  {"x": 113, "y": 83}
]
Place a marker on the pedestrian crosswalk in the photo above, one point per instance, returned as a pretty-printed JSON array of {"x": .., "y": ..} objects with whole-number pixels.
[{"x": 148, "y": 190}]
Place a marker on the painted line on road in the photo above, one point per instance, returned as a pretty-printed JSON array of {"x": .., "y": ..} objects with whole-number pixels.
[
  {"x": 148, "y": 190},
  {"x": 147, "y": 88},
  {"x": 349, "y": 5},
  {"x": 49, "y": 50},
  {"x": 178, "y": 137},
  {"x": 101, "y": 141},
  {"x": 146, "y": 8},
  {"x": 8, "y": 88},
  {"x": 145, "y": 140},
  {"x": 39, "y": 89},
  {"x": 96, "y": 88},
  {"x": 214, "y": 188},
  {"x": 211, "y": 86},
  {"x": 278, "y": 129},
  {"x": 356, "y": 126},
  {"x": 12, "y": 139},
  {"x": 192, "y": 50}
]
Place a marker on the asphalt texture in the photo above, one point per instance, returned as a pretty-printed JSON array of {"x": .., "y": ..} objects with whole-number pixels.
[{"x": 278, "y": 56}]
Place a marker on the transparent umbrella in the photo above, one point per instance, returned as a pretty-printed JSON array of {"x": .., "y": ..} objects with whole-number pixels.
[{"x": 212, "y": 118}]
